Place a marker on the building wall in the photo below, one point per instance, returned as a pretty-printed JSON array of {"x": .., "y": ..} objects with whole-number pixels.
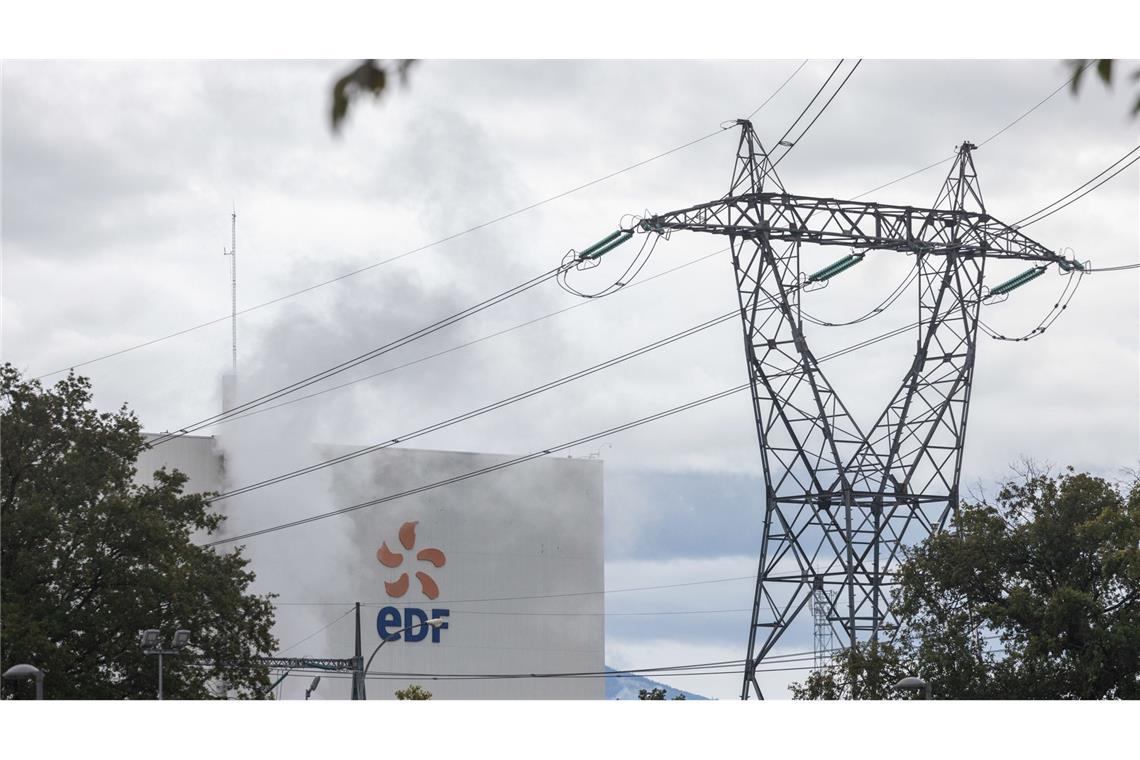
[
  {"x": 521, "y": 578},
  {"x": 199, "y": 456}
]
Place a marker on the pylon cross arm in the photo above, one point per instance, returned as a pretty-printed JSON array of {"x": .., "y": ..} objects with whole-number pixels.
[{"x": 856, "y": 224}]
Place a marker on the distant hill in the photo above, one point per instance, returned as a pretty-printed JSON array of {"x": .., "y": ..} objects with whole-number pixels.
[{"x": 626, "y": 686}]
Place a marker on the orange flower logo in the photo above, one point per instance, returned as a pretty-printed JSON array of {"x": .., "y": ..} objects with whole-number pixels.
[{"x": 389, "y": 558}]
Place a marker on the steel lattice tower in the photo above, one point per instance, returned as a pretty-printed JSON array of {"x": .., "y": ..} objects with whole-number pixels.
[{"x": 841, "y": 503}]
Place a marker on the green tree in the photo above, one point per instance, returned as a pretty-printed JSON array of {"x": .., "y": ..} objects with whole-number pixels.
[
  {"x": 657, "y": 694},
  {"x": 1034, "y": 597},
  {"x": 88, "y": 559},
  {"x": 414, "y": 691}
]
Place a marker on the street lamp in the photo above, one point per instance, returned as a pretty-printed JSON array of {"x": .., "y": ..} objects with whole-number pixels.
[
  {"x": 312, "y": 687},
  {"x": 434, "y": 623},
  {"x": 151, "y": 641},
  {"x": 20, "y": 672},
  {"x": 912, "y": 683}
]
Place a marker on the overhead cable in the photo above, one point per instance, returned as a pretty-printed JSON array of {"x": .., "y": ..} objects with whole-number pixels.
[
  {"x": 951, "y": 157},
  {"x": 362, "y": 358},
  {"x": 418, "y": 249}
]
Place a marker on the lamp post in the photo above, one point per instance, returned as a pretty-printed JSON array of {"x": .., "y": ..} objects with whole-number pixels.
[
  {"x": 312, "y": 687},
  {"x": 20, "y": 672},
  {"x": 911, "y": 683},
  {"x": 152, "y": 644},
  {"x": 433, "y": 622}
]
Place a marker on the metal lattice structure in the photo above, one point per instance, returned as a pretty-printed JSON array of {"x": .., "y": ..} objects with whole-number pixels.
[
  {"x": 841, "y": 502},
  {"x": 823, "y": 636}
]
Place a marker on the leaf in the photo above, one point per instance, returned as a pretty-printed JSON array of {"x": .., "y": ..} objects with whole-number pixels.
[
  {"x": 340, "y": 101},
  {"x": 1104, "y": 69},
  {"x": 1079, "y": 66}
]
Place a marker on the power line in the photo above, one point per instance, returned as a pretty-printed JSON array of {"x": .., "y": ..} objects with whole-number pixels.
[
  {"x": 777, "y": 92},
  {"x": 508, "y": 401},
  {"x": 424, "y": 247},
  {"x": 350, "y": 610},
  {"x": 1021, "y": 223},
  {"x": 466, "y": 344},
  {"x": 544, "y": 596},
  {"x": 389, "y": 260},
  {"x": 818, "y": 92},
  {"x": 567, "y": 264},
  {"x": 882, "y": 306},
  {"x": 486, "y": 409},
  {"x": 703, "y": 668},
  {"x": 821, "y": 110},
  {"x": 1114, "y": 269},
  {"x": 1039, "y": 103},
  {"x": 533, "y": 455},
  {"x": 355, "y": 361},
  {"x": 492, "y": 468}
]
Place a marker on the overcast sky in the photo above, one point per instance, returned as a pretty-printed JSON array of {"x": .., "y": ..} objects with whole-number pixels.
[{"x": 118, "y": 181}]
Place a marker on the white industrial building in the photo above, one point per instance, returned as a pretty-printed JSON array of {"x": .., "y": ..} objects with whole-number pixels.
[{"x": 512, "y": 560}]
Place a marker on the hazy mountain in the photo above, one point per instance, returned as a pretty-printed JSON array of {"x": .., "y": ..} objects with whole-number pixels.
[{"x": 627, "y": 686}]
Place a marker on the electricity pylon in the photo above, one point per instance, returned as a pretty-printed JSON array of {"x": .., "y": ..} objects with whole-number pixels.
[{"x": 841, "y": 503}]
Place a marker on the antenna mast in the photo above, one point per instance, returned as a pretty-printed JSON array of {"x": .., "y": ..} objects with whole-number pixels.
[{"x": 232, "y": 252}]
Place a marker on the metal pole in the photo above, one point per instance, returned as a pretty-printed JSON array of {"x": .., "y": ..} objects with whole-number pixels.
[
  {"x": 358, "y": 691},
  {"x": 393, "y": 637},
  {"x": 160, "y": 675},
  {"x": 39, "y": 685}
]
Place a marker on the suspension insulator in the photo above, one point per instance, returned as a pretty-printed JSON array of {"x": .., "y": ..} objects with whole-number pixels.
[
  {"x": 1016, "y": 282},
  {"x": 585, "y": 252},
  {"x": 830, "y": 271},
  {"x": 605, "y": 245}
]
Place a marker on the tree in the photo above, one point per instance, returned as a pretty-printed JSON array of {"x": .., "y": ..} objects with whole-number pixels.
[
  {"x": 1034, "y": 597},
  {"x": 656, "y": 694},
  {"x": 88, "y": 559},
  {"x": 414, "y": 691}
]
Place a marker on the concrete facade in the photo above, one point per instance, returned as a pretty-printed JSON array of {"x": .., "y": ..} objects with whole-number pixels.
[{"x": 514, "y": 560}]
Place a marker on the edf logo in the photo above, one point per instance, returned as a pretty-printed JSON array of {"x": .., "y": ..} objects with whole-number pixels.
[{"x": 390, "y": 622}]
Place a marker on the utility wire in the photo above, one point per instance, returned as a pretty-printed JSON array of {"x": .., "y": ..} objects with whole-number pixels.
[
  {"x": 424, "y": 247},
  {"x": 492, "y": 468},
  {"x": 319, "y": 631},
  {"x": 821, "y": 110},
  {"x": 355, "y": 361},
  {"x": 471, "y": 342},
  {"x": 818, "y": 92},
  {"x": 551, "y": 385},
  {"x": 1040, "y": 103},
  {"x": 533, "y": 455},
  {"x": 777, "y": 92},
  {"x": 1114, "y": 269},
  {"x": 705, "y": 582},
  {"x": 883, "y": 305},
  {"x": 484, "y": 409},
  {"x": 1038, "y": 215}
]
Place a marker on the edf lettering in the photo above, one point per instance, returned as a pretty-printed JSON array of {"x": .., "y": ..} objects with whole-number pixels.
[{"x": 390, "y": 622}]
